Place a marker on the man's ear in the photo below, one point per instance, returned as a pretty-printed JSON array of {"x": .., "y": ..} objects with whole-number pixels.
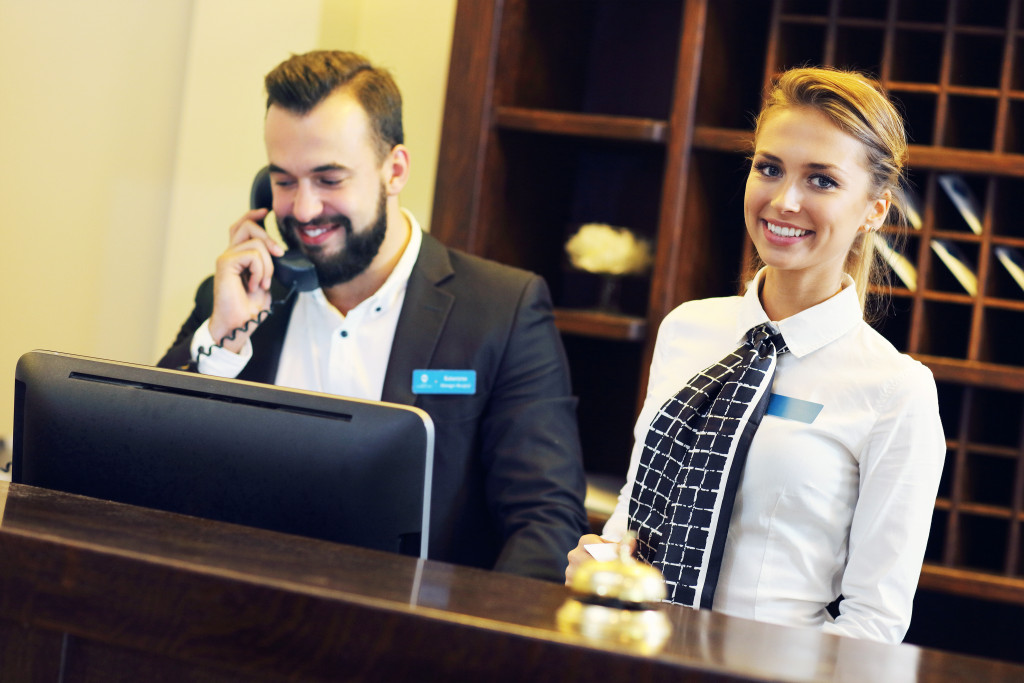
[{"x": 396, "y": 169}]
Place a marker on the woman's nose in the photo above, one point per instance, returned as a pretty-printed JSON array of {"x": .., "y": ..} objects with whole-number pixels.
[{"x": 787, "y": 198}]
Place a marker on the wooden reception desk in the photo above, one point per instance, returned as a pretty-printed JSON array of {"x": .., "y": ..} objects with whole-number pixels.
[{"x": 98, "y": 591}]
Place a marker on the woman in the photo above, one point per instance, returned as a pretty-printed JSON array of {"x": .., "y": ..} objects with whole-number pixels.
[{"x": 834, "y": 496}]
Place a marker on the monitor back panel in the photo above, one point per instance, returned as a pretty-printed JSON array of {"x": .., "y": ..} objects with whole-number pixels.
[{"x": 343, "y": 470}]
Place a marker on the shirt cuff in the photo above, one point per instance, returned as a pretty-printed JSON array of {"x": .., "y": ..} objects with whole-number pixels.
[{"x": 220, "y": 362}]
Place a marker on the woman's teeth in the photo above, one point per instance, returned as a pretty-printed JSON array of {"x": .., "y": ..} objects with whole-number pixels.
[{"x": 785, "y": 232}]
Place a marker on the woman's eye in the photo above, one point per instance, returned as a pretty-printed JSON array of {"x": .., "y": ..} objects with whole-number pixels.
[
  {"x": 767, "y": 169},
  {"x": 823, "y": 182}
]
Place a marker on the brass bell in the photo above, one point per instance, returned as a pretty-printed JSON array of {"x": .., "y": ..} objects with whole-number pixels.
[{"x": 617, "y": 601}]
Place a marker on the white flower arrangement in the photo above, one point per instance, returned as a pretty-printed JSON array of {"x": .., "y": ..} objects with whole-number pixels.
[{"x": 608, "y": 250}]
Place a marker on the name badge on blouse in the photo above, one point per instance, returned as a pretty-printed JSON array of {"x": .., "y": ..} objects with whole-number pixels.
[
  {"x": 444, "y": 381},
  {"x": 789, "y": 408}
]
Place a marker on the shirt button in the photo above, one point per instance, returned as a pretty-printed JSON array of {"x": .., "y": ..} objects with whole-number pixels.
[{"x": 344, "y": 333}]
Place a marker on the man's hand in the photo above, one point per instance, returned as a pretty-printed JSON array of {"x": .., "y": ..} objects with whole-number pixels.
[
  {"x": 241, "y": 282},
  {"x": 579, "y": 555}
]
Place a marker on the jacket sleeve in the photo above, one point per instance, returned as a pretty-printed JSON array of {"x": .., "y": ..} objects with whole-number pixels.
[
  {"x": 530, "y": 445},
  {"x": 179, "y": 355}
]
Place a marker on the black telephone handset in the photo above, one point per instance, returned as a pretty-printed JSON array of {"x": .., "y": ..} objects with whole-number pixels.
[{"x": 293, "y": 270}]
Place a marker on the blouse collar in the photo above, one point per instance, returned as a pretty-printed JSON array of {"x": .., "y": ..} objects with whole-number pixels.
[{"x": 810, "y": 329}]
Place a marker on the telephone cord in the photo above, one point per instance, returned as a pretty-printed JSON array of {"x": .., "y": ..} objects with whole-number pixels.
[{"x": 256, "y": 320}]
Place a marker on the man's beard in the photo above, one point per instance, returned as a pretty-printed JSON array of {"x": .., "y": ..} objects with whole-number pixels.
[{"x": 357, "y": 254}]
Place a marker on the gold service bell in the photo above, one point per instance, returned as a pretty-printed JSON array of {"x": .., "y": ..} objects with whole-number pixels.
[{"x": 617, "y": 601}]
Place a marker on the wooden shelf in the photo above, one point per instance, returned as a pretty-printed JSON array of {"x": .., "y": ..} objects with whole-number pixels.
[
  {"x": 921, "y": 157},
  {"x": 1002, "y": 304},
  {"x": 975, "y": 373},
  {"x": 1017, "y": 242},
  {"x": 947, "y": 297},
  {"x": 723, "y": 139},
  {"x": 897, "y": 87},
  {"x": 985, "y": 449},
  {"x": 600, "y": 324},
  {"x": 957, "y": 235},
  {"x": 972, "y": 91},
  {"x": 976, "y": 584},
  {"x": 978, "y": 509},
  {"x": 581, "y": 125},
  {"x": 966, "y": 161}
]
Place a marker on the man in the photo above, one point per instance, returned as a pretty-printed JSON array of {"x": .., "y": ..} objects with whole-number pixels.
[{"x": 508, "y": 480}]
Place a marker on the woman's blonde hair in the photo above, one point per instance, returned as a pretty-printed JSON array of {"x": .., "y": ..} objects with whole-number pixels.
[{"x": 858, "y": 106}]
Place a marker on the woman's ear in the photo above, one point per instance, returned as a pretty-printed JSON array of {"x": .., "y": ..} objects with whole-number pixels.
[{"x": 878, "y": 210}]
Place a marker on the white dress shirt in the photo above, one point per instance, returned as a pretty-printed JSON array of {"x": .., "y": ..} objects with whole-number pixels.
[
  {"x": 840, "y": 505},
  {"x": 324, "y": 350}
]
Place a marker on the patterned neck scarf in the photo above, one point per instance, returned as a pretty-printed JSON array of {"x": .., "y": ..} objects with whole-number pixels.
[{"x": 692, "y": 463}]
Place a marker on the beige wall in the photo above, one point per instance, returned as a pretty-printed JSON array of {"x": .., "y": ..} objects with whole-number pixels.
[{"x": 129, "y": 133}]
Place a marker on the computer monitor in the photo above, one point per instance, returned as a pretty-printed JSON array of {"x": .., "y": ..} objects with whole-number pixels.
[{"x": 339, "y": 469}]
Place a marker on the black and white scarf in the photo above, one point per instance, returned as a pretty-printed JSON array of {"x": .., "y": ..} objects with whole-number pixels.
[{"x": 692, "y": 463}]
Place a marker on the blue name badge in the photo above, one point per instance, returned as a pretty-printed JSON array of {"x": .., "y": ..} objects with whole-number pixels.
[
  {"x": 444, "y": 381},
  {"x": 789, "y": 408}
]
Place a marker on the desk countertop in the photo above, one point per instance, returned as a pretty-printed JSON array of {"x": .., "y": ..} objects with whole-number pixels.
[{"x": 137, "y": 588}]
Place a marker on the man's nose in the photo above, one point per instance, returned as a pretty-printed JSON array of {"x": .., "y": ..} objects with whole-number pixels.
[{"x": 307, "y": 205}]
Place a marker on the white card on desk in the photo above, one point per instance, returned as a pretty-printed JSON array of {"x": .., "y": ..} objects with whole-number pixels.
[{"x": 603, "y": 552}]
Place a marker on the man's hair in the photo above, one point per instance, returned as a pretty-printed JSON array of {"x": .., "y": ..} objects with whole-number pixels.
[{"x": 301, "y": 82}]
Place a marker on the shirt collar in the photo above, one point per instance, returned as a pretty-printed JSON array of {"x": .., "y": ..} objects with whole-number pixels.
[
  {"x": 393, "y": 290},
  {"x": 808, "y": 330}
]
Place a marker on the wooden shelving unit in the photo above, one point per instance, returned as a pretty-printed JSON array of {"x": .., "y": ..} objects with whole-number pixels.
[
  {"x": 639, "y": 114},
  {"x": 582, "y": 125}
]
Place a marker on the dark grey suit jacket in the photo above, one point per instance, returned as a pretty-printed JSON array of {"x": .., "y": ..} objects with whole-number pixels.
[{"x": 508, "y": 477}]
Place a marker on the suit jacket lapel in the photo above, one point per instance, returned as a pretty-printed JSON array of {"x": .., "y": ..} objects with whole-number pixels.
[{"x": 421, "y": 322}]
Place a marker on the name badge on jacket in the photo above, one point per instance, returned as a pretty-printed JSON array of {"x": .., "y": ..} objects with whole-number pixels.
[{"x": 444, "y": 381}]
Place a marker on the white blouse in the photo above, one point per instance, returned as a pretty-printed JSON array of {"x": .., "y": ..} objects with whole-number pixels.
[{"x": 839, "y": 505}]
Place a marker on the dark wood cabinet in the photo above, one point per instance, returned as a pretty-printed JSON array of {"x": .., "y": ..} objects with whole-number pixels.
[{"x": 638, "y": 114}]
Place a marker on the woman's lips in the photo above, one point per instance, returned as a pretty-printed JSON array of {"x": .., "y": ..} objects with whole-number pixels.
[{"x": 781, "y": 233}]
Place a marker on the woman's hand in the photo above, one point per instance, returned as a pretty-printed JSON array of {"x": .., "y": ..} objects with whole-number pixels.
[{"x": 579, "y": 555}]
